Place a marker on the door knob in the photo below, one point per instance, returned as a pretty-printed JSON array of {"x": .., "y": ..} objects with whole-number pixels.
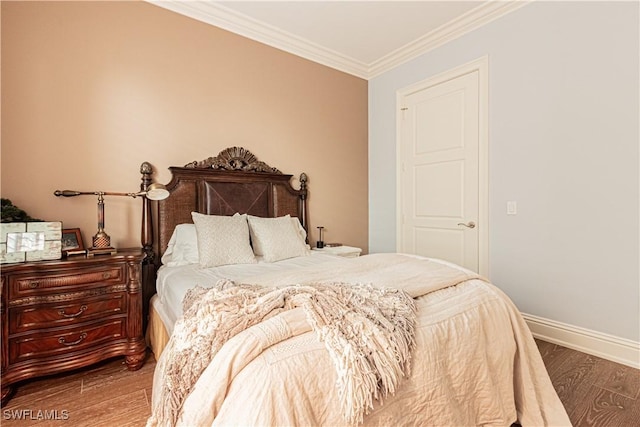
[{"x": 470, "y": 224}]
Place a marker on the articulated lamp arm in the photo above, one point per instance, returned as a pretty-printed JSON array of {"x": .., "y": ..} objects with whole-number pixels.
[
  {"x": 153, "y": 192},
  {"x": 73, "y": 193}
]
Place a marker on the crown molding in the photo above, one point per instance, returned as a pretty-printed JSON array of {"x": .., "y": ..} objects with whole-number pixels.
[
  {"x": 238, "y": 23},
  {"x": 465, "y": 23}
]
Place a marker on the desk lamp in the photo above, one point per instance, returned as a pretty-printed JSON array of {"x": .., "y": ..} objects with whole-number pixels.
[{"x": 102, "y": 241}]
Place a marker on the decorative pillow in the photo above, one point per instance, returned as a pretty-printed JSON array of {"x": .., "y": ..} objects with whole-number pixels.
[
  {"x": 301, "y": 231},
  {"x": 275, "y": 239},
  {"x": 183, "y": 246},
  {"x": 223, "y": 240}
]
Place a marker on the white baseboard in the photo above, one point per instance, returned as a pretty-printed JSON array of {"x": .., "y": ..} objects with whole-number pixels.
[{"x": 616, "y": 349}]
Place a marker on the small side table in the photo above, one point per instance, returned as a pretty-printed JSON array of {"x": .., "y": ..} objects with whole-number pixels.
[{"x": 343, "y": 251}]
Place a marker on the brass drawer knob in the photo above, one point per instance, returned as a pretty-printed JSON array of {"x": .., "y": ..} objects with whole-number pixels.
[
  {"x": 63, "y": 314},
  {"x": 34, "y": 284},
  {"x": 106, "y": 275},
  {"x": 62, "y": 340}
]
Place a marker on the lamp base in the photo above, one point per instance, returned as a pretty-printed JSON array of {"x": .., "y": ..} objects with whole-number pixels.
[
  {"x": 101, "y": 240},
  {"x": 101, "y": 251}
]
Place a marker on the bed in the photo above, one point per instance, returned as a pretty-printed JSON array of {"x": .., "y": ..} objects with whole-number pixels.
[{"x": 383, "y": 339}]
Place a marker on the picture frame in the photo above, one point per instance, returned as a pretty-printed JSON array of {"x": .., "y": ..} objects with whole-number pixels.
[
  {"x": 72, "y": 243},
  {"x": 30, "y": 241}
]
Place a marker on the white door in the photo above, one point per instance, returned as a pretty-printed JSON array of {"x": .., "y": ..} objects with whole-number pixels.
[{"x": 439, "y": 180}]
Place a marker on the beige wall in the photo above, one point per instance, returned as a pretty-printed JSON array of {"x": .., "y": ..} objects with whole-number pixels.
[{"x": 90, "y": 90}]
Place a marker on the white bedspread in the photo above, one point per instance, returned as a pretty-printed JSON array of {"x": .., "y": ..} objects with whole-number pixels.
[
  {"x": 173, "y": 282},
  {"x": 475, "y": 362}
]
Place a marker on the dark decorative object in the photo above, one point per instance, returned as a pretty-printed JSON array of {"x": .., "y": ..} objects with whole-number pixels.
[
  {"x": 234, "y": 159},
  {"x": 12, "y": 213},
  {"x": 320, "y": 242}
]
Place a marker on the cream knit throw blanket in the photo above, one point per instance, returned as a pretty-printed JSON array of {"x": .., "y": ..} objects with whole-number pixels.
[{"x": 369, "y": 333}]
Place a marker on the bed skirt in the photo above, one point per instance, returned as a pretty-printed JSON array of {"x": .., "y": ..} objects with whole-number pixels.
[{"x": 157, "y": 336}]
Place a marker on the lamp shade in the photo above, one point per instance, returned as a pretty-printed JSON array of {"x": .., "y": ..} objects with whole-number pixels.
[{"x": 157, "y": 192}]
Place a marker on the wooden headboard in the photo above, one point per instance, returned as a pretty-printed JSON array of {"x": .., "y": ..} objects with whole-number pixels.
[{"x": 233, "y": 181}]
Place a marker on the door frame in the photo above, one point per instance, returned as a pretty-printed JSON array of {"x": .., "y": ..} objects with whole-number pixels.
[{"x": 481, "y": 65}]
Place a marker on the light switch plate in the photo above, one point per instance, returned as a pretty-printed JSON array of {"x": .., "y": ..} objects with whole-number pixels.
[{"x": 512, "y": 208}]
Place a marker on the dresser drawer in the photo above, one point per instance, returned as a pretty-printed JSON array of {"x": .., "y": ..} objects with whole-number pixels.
[
  {"x": 40, "y": 345},
  {"x": 31, "y": 317},
  {"x": 57, "y": 281}
]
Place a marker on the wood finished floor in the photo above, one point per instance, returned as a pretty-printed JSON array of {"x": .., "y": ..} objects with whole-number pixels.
[
  {"x": 106, "y": 394},
  {"x": 595, "y": 392}
]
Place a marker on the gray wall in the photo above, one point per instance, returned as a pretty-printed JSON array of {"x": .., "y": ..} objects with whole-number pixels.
[{"x": 563, "y": 143}]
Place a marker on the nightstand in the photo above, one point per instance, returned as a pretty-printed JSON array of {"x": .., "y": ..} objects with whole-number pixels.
[
  {"x": 343, "y": 251},
  {"x": 70, "y": 313}
]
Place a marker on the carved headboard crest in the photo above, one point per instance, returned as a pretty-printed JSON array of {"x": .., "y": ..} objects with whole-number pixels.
[{"x": 234, "y": 158}]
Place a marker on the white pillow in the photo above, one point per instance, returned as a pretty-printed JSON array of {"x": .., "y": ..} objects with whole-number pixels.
[
  {"x": 222, "y": 240},
  {"x": 183, "y": 246},
  {"x": 301, "y": 231},
  {"x": 275, "y": 239}
]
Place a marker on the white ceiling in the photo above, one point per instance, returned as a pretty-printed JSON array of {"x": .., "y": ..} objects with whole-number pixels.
[
  {"x": 363, "y": 38},
  {"x": 363, "y": 31}
]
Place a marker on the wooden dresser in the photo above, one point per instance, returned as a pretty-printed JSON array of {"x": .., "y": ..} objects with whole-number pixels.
[{"x": 66, "y": 314}]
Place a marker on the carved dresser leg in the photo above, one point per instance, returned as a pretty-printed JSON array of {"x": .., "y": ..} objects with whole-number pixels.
[
  {"x": 135, "y": 361},
  {"x": 6, "y": 394}
]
